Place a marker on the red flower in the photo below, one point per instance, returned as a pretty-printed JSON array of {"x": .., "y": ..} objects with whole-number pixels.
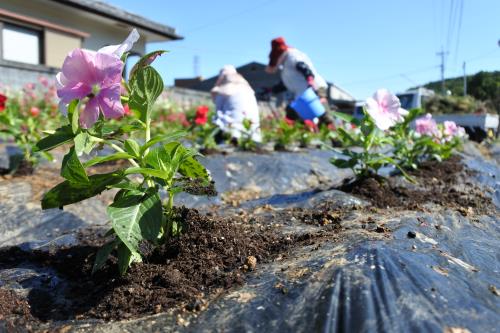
[
  {"x": 201, "y": 116},
  {"x": 310, "y": 125},
  {"x": 289, "y": 121},
  {"x": 34, "y": 111},
  {"x": 3, "y": 99}
]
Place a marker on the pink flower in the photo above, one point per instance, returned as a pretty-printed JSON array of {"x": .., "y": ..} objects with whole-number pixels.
[
  {"x": 95, "y": 76},
  {"x": 451, "y": 130},
  {"x": 289, "y": 121},
  {"x": 29, "y": 86},
  {"x": 385, "y": 109},
  {"x": 43, "y": 81},
  {"x": 427, "y": 126},
  {"x": 34, "y": 111}
]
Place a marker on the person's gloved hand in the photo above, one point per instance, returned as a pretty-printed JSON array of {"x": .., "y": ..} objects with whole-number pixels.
[{"x": 310, "y": 82}]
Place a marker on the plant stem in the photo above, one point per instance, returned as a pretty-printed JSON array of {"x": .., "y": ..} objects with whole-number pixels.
[
  {"x": 148, "y": 137},
  {"x": 117, "y": 148}
]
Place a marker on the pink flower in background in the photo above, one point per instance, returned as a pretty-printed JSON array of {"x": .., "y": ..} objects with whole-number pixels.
[
  {"x": 385, "y": 109},
  {"x": 29, "y": 86},
  {"x": 451, "y": 130},
  {"x": 34, "y": 111},
  {"x": 43, "y": 81},
  {"x": 96, "y": 76},
  {"x": 289, "y": 121},
  {"x": 427, "y": 126},
  {"x": 179, "y": 118}
]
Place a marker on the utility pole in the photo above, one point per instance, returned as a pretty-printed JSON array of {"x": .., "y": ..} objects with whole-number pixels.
[
  {"x": 196, "y": 66},
  {"x": 442, "y": 54},
  {"x": 465, "y": 80}
]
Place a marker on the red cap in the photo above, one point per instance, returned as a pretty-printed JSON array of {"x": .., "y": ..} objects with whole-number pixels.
[{"x": 278, "y": 47}]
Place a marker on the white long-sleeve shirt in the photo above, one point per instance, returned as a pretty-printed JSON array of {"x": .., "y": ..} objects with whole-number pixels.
[{"x": 294, "y": 80}]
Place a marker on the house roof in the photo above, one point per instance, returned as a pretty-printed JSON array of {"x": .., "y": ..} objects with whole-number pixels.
[
  {"x": 253, "y": 72},
  {"x": 118, "y": 14}
]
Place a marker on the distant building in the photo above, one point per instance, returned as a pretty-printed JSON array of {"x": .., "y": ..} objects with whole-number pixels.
[
  {"x": 261, "y": 82},
  {"x": 36, "y": 35},
  {"x": 188, "y": 83}
]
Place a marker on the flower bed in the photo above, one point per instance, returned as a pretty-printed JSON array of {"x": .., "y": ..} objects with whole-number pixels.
[{"x": 318, "y": 235}]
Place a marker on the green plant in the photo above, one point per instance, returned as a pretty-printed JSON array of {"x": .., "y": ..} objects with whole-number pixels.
[
  {"x": 158, "y": 164},
  {"x": 245, "y": 141},
  {"x": 23, "y": 127},
  {"x": 368, "y": 158}
]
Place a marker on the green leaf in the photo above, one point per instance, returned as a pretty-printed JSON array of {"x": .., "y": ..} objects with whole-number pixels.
[
  {"x": 61, "y": 136},
  {"x": 103, "y": 254},
  {"x": 72, "y": 168},
  {"x": 343, "y": 116},
  {"x": 146, "y": 85},
  {"x": 146, "y": 61},
  {"x": 129, "y": 185},
  {"x": 163, "y": 138},
  {"x": 132, "y": 147},
  {"x": 189, "y": 166},
  {"x": 126, "y": 258},
  {"x": 135, "y": 125},
  {"x": 84, "y": 143},
  {"x": 346, "y": 138},
  {"x": 136, "y": 217},
  {"x": 68, "y": 192},
  {"x": 344, "y": 164},
  {"x": 107, "y": 158},
  {"x": 147, "y": 172},
  {"x": 75, "y": 115}
]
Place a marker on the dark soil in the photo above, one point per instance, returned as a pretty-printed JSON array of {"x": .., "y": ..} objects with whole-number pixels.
[
  {"x": 211, "y": 256},
  {"x": 14, "y": 311},
  {"x": 24, "y": 168},
  {"x": 443, "y": 183},
  {"x": 212, "y": 151}
]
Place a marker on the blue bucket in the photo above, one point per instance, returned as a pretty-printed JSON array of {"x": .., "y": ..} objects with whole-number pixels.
[{"x": 308, "y": 105}]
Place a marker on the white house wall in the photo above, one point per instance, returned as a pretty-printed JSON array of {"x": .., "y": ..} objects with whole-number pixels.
[{"x": 102, "y": 31}]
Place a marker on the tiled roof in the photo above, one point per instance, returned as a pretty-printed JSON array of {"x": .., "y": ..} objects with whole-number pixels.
[{"x": 118, "y": 14}]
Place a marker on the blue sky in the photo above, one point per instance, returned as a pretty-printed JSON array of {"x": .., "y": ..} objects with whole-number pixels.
[{"x": 360, "y": 45}]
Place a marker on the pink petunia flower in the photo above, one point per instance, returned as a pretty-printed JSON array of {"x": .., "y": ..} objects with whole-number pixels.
[
  {"x": 451, "y": 130},
  {"x": 427, "y": 126},
  {"x": 385, "y": 109},
  {"x": 95, "y": 76}
]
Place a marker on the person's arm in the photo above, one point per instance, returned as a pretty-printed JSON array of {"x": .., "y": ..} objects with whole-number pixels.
[
  {"x": 271, "y": 70},
  {"x": 306, "y": 71},
  {"x": 278, "y": 88}
]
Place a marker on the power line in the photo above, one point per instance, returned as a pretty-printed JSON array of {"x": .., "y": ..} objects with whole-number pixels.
[
  {"x": 393, "y": 76},
  {"x": 229, "y": 17},
  {"x": 482, "y": 56},
  {"x": 451, "y": 23},
  {"x": 461, "y": 11}
]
